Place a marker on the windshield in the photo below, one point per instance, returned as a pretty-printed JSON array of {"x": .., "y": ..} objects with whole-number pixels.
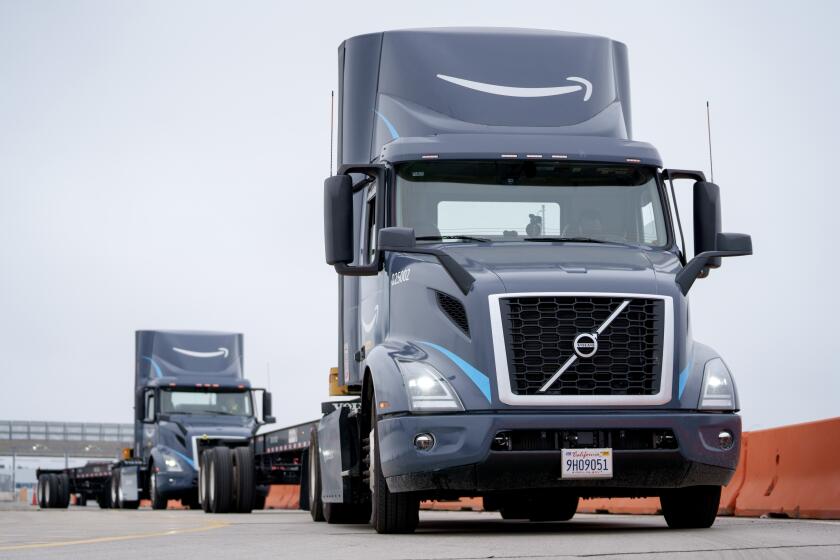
[
  {"x": 531, "y": 201},
  {"x": 201, "y": 402}
]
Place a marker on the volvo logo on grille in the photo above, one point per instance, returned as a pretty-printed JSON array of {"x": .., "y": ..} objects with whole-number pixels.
[{"x": 585, "y": 345}]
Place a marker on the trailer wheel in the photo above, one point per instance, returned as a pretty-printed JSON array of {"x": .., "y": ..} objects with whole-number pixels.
[
  {"x": 63, "y": 491},
  {"x": 220, "y": 480},
  {"x": 392, "y": 512},
  {"x": 694, "y": 507},
  {"x": 103, "y": 500},
  {"x": 243, "y": 479},
  {"x": 52, "y": 493},
  {"x": 157, "y": 499},
  {"x": 316, "y": 506},
  {"x": 303, "y": 494},
  {"x": 39, "y": 491}
]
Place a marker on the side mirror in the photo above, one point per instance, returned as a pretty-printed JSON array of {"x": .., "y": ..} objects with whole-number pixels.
[
  {"x": 726, "y": 245},
  {"x": 396, "y": 238},
  {"x": 338, "y": 219},
  {"x": 266, "y": 408},
  {"x": 706, "y": 220}
]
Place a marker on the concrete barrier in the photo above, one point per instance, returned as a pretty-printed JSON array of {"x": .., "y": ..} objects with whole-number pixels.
[{"x": 793, "y": 471}]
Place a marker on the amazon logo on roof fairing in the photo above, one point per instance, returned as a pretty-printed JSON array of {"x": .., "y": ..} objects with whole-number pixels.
[
  {"x": 510, "y": 91},
  {"x": 222, "y": 351}
]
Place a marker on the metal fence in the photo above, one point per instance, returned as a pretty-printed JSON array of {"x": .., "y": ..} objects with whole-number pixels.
[{"x": 64, "y": 431}]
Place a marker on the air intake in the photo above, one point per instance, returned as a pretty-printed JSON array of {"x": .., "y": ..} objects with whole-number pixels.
[{"x": 454, "y": 309}]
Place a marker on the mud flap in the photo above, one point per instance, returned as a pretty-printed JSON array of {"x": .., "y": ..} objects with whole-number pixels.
[{"x": 338, "y": 443}]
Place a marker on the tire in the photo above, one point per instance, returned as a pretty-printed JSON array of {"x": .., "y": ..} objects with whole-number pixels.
[
  {"x": 203, "y": 469},
  {"x": 244, "y": 488},
  {"x": 103, "y": 500},
  {"x": 52, "y": 491},
  {"x": 63, "y": 491},
  {"x": 694, "y": 507},
  {"x": 220, "y": 480},
  {"x": 391, "y": 513},
  {"x": 303, "y": 495},
  {"x": 42, "y": 483},
  {"x": 157, "y": 499},
  {"x": 114, "y": 495},
  {"x": 316, "y": 506}
]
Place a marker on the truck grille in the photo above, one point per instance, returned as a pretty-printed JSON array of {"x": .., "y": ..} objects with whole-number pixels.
[{"x": 539, "y": 334}]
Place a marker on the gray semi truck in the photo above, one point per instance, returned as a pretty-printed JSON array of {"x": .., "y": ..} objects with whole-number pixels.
[
  {"x": 513, "y": 313},
  {"x": 190, "y": 395}
]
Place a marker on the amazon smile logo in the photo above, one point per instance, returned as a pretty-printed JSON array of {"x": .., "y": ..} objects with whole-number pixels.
[
  {"x": 581, "y": 84},
  {"x": 222, "y": 351}
]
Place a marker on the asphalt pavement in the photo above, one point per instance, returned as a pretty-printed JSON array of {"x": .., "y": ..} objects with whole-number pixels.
[{"x": 92, "y": 534}]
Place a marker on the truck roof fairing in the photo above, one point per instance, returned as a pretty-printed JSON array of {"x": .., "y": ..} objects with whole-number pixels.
[
  {"x": 426, "y": 82},
  {"x": 188, "y": 357}
]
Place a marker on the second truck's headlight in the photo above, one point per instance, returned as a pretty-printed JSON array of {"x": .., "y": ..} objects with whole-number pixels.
[
  {"x": 427, "y": 389},
  {"x": 718, "y": 392},
  {"x": 171, "y": 463}
]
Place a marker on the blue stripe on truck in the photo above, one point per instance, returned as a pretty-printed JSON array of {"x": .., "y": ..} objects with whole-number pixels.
[{"x": 481, "y": 380}]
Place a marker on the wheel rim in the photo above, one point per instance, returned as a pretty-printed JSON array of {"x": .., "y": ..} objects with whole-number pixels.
[
  {"x": 113, "y": 490},
  {"x": 46, "y": 493},
  {"x": 153, "y": 487}
]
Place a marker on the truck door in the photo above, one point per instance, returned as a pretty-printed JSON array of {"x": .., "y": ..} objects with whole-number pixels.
[
  {"x": 348, "y": 306},
  {"x": 372, "y": 311}
]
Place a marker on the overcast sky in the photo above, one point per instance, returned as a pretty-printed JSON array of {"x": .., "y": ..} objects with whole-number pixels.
[{"x": 161, "y": 166}]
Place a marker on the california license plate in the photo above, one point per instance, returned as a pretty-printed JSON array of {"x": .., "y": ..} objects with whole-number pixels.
[{"x": 587, "y": 463}]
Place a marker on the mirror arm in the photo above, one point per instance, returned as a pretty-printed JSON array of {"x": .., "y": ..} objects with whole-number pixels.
[{"x": 691, "y": 271}]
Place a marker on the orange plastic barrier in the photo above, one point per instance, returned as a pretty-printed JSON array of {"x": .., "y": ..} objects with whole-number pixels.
[
  {"x": 464, "y": 504},
  {"x": 793, "y": 471},
  {"x": 283, "y": 496}
]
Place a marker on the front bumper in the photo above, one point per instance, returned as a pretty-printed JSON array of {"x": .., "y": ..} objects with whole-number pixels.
[
  {"x": 462, "y": 459},
  {"x": 176, "y": 484}
]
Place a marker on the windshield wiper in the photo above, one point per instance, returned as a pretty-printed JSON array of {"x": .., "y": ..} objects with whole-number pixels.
[
  {"x": 578, "y": 240},
  {"x": 567, "y": 240},
  {"x": 461, "y": 237}
]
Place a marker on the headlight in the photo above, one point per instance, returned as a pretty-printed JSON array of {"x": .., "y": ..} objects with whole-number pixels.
[
  {"x": 427, "y": 389},
  {"x": 171, "y": 463},
  {"x": 718, "y": 391}
]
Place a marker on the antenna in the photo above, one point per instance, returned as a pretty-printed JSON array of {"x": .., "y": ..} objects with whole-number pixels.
[
  {"x": 709, "y": 132},
  {"x": 332, "y": 111}
]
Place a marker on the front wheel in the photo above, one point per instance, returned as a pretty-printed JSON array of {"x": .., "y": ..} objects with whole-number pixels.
[
  {"x": 157, "y": 499},
  {"x": 694, "y": 507},
  {"x": 392, "y": 512}
]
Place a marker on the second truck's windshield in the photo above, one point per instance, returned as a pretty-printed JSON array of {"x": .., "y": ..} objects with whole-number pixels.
[
  {"x": 198, "y": 402},
  {"x": 515, "y": 201}
]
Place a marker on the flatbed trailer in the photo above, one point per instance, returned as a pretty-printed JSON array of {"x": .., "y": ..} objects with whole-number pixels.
[
  {"x": 91, "y": 481},
  {"x": 236, "y": 478}
]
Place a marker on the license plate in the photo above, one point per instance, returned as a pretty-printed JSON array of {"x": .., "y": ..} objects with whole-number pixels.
[{"x": 587, "y": 463}]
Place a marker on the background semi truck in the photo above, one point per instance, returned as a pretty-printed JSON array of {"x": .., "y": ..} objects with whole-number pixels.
[
  {"x": 189, "y": 395},
  {"x": 513, "y": 311}
]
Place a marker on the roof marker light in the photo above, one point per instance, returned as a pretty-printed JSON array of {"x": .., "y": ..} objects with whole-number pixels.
[
  {"x": 429, "y": 156},
  {"x": 534, "y": 156},
  {"x": 510, "y": 156},
  {"x": 633, "y": 160},
  {"x": 559, "y": 156}
]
